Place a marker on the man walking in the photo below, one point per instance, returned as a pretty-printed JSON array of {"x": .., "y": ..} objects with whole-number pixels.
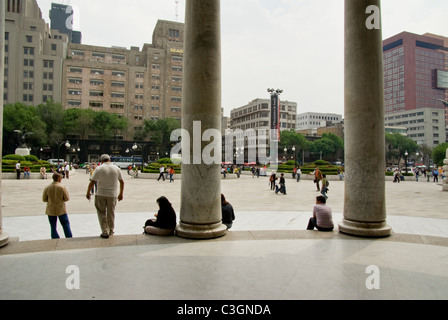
[
  {"x": 109, "y": 179},
  {"x": 56, "y": 195}
]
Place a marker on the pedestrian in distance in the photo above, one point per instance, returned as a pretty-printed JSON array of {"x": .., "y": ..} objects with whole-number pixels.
[
  {"x": 172, "y": 173},
  {"x": 164, "y": 223},
  {"x": 272, "y": 180},
  {"x": 325, "y": 185},
  {"x": 56, "y": 195},
  {"x": 228, "y": 215},
  {"x": 322, "y": 218},
  {"x": 299, "y": 174},
  {"x": 162, "y": 173},
  {"x": 282, "y": 185},
  {"x": 18, "y": 170},
  {"x": 110, "y": 189},
  {"x": 317, "y": 178}
]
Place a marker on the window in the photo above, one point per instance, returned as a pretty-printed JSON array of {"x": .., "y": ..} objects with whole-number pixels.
[
  {"x": 77, "y": 53},
  {"x": 95, "y": 104},
  {"x": 75, "y": 80},
  {"x": 96, "y": 93},
  {"x": 95, "y": 82},
  {"x": 118, "y": 73},
  {"x": 97, "y": 71},
  {"x": 72, "y": 103},
  {"x": 173, "y": 33},
  {"x": 117, "y": 84},
  {"x": 74, "y": 92},
  {"x": 75, "y": 70},
  {"x": 29, "y": 39},
  {"x": 28, "y": 50},
  {"x": 49, "y": 64}
]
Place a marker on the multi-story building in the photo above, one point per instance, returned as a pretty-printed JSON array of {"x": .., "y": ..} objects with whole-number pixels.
[
  {"x": 33, "y": 55},
  {"x": 415, "y": 72},
  {"x": 250, "y": 125},
  {"x": 257, "y": 115},
  {"x": 314, "y": 120},
  {"x": 135, "y": 84},
  {"x": 424, "y": 126},
  {"x": 61, "y": 17}
]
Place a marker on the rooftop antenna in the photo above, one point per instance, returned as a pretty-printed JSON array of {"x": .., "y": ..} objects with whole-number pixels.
[{"x": 177, "y": 10}]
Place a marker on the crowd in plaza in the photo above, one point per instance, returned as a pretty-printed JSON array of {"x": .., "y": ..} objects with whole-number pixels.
[{"x": 107, "y": 185}]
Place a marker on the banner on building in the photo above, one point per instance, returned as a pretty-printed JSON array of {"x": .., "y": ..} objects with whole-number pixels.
[{"x": 275, "y": 116}]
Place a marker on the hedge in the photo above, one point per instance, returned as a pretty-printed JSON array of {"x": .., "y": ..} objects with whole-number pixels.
[{"x": 9, "y": 163}]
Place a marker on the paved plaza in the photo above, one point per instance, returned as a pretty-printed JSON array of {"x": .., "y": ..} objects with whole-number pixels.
[{"x": 268, "y": 254}]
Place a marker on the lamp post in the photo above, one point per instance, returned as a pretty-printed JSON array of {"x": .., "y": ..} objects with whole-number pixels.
[
  {"x": 67, "y": 145},
  {"x": 406, "y": 154}
]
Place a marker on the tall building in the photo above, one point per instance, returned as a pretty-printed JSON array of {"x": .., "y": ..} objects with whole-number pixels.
[
  {"x": 415, "y": 72},
  {"x": 33, "y": 55},
  {"x": 135, "y": 84},
  {"x": 61, "y": 17}
]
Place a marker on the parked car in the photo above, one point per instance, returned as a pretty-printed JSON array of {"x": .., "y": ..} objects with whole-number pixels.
[{"x": 55, "y": 162}]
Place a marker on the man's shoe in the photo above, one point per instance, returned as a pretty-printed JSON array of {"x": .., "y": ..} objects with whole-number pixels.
[{"x": 104, "y": 236}]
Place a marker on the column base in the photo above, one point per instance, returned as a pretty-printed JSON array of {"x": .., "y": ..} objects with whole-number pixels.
[
  {"x": 365, "y": 229},
  {"x": 4, "y": 239},
  {"x": 201, "y": 232}
]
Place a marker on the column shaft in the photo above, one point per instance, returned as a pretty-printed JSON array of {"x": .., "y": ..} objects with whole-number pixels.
[
  {"x": 200, "y": 215},
  {"x": 365, "y": 198},
  {"x": 4, "y": 237}
]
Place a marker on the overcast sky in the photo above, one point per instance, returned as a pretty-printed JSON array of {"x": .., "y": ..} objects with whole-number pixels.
[{"x": 293, "y": 45}]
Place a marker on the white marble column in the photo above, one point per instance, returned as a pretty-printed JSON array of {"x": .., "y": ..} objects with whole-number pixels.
[
  {"x": 200, "y": 213},
  {"x": 365, "y": 197},
  {"x": 4, "y": 237}
]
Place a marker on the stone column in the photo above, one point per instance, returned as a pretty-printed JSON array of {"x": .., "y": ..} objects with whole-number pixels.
[
  {"x": 365, "y": 196},
  {"x": 200, "y": 213},
  {"x": 445, "y": 170},
  {"x": 4, "y": 237}
]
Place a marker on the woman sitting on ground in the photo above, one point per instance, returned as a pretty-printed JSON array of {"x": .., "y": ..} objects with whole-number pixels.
[{"x": 165, "y": 222}]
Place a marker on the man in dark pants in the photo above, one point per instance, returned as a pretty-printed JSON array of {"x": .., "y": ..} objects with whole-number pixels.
[{"x": 322, "y": 218}]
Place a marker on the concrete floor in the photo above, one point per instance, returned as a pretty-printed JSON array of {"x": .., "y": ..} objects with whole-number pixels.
[{"x": 267, "y": 255}]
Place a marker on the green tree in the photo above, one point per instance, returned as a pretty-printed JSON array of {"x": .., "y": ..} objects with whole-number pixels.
[
  {"x": 159, "y": 131},
  {"x": 329, "y": 146},
  {"x": 26, "y": 119},
  {"x": 439, "y": 154},
  {"x": 52, "y": 115},
  {"x": 78, "y": 122},
  {"x": 398, "y": 145}
]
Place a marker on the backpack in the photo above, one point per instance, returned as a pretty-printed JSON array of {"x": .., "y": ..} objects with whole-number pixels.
[{"x": 327, "y": 184}]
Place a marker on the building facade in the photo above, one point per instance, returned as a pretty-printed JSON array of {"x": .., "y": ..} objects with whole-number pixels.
[
  {"x": 34, "y": 55},
  {"x": 135, "y": 84},
  {"x": 424, "y": 126},
  {"x": 415, "y": 72},
  {"x": 314, "y": 120},
  {"x": 257, "y": 115}
]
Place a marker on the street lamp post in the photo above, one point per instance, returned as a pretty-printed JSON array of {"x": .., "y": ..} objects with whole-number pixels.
[
  {"x": 406, "y": 154},
  {"x": 67, "y": 145}
]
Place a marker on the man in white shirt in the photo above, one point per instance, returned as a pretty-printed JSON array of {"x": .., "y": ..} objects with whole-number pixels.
[
  {"x": 18, "y": 170},
  {"x": 109, "y": 179}
]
